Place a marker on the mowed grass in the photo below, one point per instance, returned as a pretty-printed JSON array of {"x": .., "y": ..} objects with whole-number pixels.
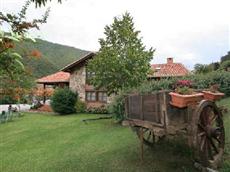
[
  {"x": 51, "y": 143},
  {"x": 226, "y": 165}
]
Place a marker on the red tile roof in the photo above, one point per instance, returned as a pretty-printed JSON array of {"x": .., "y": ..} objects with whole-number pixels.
[
  {"x": 169, "y": 69},
  {"x": 55, "y": 78}
]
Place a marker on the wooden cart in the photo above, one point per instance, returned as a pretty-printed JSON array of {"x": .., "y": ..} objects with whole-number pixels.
[{"x": 152, "y": 117}]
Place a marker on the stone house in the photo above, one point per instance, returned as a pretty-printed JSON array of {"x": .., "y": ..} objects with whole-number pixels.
[{"x": 78, "y": 82}]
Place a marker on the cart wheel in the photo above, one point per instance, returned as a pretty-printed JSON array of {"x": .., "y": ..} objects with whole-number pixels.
[
  {"x": 209, "y": 134},
  {"x": 148, "y": 135}
]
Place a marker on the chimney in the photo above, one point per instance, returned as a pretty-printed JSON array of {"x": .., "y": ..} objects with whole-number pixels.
[{"x": 170, "y": 60}]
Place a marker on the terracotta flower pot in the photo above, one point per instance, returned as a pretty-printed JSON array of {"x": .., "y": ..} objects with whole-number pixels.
[
  {"x": 183, "y": 101},
  {"x": 208, "y": 95}
]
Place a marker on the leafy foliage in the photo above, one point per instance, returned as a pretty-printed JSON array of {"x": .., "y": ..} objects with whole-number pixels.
[
  {"x": 6, "y": 99},
  {"x": 97, "y": 110},
  {"x": 42, "y": 2},
  {"x": 204, "y": 81},
  {"x": 80, "y": 106},
  {"x": 122, "y": 61},
  {"x": 18, "y": 22},
  {"x": 15, "y": 79},
  {"x": 10, "y": 64},
  {"x": 226, "y": 57},
  {"x": 156, "y": 85},
  {"x": 12, "y": 73},
  {"x": 202, "y": 68},
  {"x": 199, "y": 81},
  {"x": 184, "y": 87},
  {"x": 117, "y": 106},
  {"x": 225, "y": 65},
  {"x": 63, "y": 101}
]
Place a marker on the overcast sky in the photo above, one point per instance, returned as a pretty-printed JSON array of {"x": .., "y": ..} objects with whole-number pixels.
[{"x": 191, "y": 31}]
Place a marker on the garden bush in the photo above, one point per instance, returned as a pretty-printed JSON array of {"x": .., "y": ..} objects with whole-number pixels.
[
  {"x": 97, "y": 110},
  {"x": 156, "y": 85},
  {"x": 199, "y": 81},
  {"x": 204, "y": 81},
  {"x": 7, "y": 100},
  {"x": 225, "y": 65},
  {"x": 80, "y": 106},
  {"x": 117, "y": 106},
  {"x": 63, "y": 101}
]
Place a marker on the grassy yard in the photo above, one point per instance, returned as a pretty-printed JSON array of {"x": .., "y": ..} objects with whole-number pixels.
[{"x": 39, "y": 142}]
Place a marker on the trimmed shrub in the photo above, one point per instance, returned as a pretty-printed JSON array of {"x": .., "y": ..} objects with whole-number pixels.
[
  {"x": 97, "y": 110},
  {"x": 80, "y": 106},
  {"x": 63, "y": 101}
]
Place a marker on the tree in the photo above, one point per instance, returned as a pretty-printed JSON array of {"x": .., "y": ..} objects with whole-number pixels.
[
  {"x": 202, "y": 68},
  {"x": 225, "y": 58},
  {"x": 13, "y": 76},
  {"x": 225, "y": 65},
  {"x": 122, "y": 61},
  {"x": 19, "y": 27},
  {"x": 214, "y": 66}
]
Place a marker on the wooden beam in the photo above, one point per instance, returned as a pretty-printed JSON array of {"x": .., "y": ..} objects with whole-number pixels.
[{"x": 44, "y": 96}]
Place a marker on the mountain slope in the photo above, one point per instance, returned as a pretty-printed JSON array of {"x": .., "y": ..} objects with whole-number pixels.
[{"x": 53, "y": 56}]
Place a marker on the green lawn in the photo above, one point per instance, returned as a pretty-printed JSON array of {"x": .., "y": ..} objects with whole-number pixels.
[{"x": 39, "y": 142}]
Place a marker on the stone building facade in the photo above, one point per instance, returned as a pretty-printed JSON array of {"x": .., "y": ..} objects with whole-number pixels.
[{"x": 78, "y": 83}]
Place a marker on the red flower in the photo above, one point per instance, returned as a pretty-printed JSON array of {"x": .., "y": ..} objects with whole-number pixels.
[{"x": 184, "y": 83}]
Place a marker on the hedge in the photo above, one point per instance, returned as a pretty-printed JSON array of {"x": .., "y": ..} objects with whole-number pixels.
[{"x": 199, "y": 81}]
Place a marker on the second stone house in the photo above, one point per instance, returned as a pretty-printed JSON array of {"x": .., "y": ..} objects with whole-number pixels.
[{"x": 79, "y": 82}]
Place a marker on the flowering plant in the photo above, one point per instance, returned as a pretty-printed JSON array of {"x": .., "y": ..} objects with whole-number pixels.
[
  {"x": 184, "y": 83},
  {"x": 184, "y": 87}
]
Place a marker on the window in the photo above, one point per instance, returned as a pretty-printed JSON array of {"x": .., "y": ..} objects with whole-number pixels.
[
  {"x": 91, "y": 96},
  {"x": 96, "y": 96},
  {"x": 102, "y": 96}
]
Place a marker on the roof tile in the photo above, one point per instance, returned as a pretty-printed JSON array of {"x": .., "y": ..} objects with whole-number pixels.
[
  {"x": 167, "y": 70},
  {"x": 54, "y": 78}
]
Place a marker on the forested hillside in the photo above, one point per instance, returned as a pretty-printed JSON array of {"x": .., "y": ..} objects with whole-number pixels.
[{"x": 52, "y": 56}]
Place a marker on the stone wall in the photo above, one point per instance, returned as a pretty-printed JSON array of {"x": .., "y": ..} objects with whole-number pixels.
[{"x": 77, "y": 82}]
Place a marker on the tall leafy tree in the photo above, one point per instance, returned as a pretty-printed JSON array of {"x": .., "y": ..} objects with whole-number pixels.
[
  {"x": 202, "y": 68},
  {"x": 122, "y": 61},
  {"x": 18, "y": 29}
]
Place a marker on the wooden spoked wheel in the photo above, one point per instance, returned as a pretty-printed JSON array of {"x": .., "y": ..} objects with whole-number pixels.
[
  {"x": 210, "y": 136},
  {"x": 148, "y": 135}
]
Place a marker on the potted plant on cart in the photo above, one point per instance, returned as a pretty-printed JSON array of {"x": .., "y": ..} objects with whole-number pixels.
[
  {"x": 184, "y": 95},
  {"x": 212, "y": 93}
]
